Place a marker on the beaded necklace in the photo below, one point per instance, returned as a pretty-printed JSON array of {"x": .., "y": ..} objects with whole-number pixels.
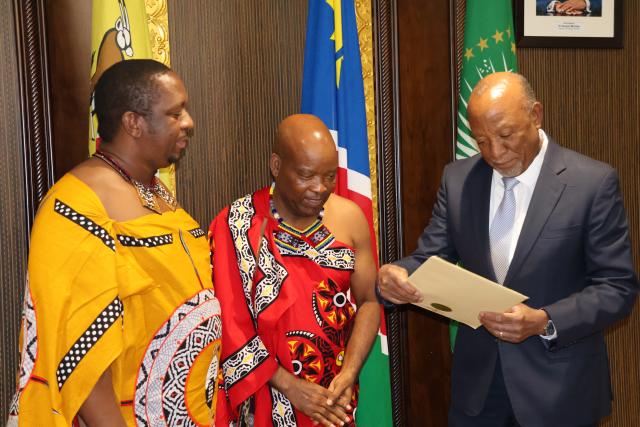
[
  {"x": 146, "y": 193},
  {"x": 277, "y": 216}
]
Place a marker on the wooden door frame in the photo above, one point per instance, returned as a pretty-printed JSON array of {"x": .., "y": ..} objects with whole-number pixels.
[
  {"x": 35, "y": 117},
  {"x": 385, "y": 33}
]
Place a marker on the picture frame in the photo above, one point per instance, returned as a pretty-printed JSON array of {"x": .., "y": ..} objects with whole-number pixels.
[{"x": 540, "y": 24}]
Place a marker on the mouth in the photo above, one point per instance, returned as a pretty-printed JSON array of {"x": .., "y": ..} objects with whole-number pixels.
[
  {"x": 502, "y": 164},
  {"x": 182, "y": 143},
  {"x": 509, "y": 168},
  {"x": 314, "y": 203}
]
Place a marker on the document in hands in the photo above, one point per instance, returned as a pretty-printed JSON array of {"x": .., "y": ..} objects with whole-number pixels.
[{"x": 459, "y": 294}]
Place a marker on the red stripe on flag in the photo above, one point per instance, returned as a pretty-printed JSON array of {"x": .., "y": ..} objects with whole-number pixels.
[
  {"x": 365, "y": 204},
  {"x": 367, "y": 208},
  {"x": 363, "y": 201}
]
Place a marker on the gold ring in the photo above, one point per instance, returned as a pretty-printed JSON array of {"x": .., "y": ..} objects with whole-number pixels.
[{"x": 501, "y": 333}]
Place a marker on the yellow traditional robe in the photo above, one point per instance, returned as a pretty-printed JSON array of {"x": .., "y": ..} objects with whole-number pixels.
[{"x": 134, "y": 295}]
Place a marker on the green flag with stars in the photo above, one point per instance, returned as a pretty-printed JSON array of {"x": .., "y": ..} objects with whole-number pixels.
[{"x": 489, "y": 46}]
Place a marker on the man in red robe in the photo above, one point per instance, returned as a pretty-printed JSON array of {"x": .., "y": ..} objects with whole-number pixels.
[{"x": 287, "y": 261}]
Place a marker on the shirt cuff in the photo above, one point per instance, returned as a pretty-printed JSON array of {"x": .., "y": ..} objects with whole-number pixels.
[{"x": 552, "y": 336}]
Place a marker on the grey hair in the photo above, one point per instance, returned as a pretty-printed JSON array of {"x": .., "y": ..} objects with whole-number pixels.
[
  {"x": 528, "y": 92},
  {"x": 529, "y": 95}
]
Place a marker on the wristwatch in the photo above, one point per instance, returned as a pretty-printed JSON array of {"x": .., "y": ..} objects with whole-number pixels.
[{"x": 550, "y": 329}]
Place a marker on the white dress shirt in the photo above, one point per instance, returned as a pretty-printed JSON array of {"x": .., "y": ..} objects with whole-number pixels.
[{"x": 522, "y": 192}]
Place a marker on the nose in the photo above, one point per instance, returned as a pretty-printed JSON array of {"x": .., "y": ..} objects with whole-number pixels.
[
  {"x": 186, "y": 120},
  {"x": 496, "y": 149},
  {"x": 319, "y": 185}
]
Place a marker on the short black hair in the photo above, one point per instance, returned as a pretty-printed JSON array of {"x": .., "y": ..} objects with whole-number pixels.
[{"x": 125, "y": 86}]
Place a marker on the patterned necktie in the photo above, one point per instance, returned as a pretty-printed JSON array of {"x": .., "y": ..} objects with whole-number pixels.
[{"x": 500, "y": 230}]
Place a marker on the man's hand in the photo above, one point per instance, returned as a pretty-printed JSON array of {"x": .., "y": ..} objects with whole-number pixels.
[
  {"x": 515, "y": 325},
  {"x": 571, "y": 7},
  {"x": 341, "y": 389},
  {"x": 393, "y": 282},
  {"x": 309, "y": 398},
  {"x": 312, "y": 400}
]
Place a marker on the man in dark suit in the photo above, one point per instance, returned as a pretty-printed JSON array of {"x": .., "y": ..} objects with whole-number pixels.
[{"x": 549, "y": 223}]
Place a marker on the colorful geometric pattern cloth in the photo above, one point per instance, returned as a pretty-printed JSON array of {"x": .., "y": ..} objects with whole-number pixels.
[{"x": 287, "y": 292}]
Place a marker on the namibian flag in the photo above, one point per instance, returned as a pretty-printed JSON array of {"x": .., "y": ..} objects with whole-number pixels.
[{"x": 332, "y": 89}]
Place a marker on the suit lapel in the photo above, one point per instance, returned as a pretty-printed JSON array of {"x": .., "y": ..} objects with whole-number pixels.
[
  {"x": 480, "y": 193},
  {"x": 545, "y": 197}
]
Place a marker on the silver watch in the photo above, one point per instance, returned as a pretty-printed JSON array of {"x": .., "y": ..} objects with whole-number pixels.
[{"x": 550, "y": 329}]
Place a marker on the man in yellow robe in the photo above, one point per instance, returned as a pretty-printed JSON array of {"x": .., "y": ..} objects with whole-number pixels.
[{"x": 121, "y": 325}]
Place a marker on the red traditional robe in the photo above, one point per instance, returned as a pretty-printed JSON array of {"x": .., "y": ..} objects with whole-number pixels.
[{"x": 288, "y": 307}]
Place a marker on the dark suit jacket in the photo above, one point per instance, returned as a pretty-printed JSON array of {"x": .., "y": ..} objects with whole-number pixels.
[{"x": 573, "y": 258}]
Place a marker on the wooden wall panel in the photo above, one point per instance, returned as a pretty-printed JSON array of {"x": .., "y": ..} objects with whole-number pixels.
[
  {"x": 69, "y": 49},
  {"x": 591, "y": 99},
  {"x": 242, "y": 64},
  {"x": 13, "y": 230},
  {"x": 425, "y": 105}
]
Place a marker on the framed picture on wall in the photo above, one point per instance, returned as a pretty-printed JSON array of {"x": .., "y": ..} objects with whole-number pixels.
[{"x": 569, "y": 23}]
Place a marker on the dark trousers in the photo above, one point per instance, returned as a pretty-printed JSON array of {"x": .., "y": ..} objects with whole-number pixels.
[{"x": 497, "y": 411}]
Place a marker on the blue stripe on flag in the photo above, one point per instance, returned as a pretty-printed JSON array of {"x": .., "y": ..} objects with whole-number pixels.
[
  {"x": 340, "y": 108},
  {"x": 319, "y": 76}
]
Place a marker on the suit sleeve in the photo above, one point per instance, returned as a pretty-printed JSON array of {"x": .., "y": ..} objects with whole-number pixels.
[
  {"x": 435, "y": 239},
  {"x": 611, "y": 284}
]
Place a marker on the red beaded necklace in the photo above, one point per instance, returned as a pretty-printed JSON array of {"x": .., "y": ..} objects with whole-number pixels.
[{"x": 146, "y": 193}]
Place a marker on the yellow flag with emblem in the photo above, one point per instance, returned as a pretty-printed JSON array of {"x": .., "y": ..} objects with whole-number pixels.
[{"x": 119, "y": 32}]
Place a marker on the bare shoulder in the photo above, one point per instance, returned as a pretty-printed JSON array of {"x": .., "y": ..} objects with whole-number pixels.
[
  {"x": 345, "y": 219},
  {"x": 100, "y": 177},
  {"x": 117, "y": 195},
  {"x": 343, "y": 207}
]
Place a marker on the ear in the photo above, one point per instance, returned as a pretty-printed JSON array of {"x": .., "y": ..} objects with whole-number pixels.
[
  {"x": 536, "y": 114},
  {"x": 275, "y": 162},
  {"x": 132, "y": 123}
]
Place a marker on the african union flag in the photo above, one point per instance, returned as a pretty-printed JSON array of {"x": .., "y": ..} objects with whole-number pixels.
[
  {"x": 332, "y": 89},
  {"x": 489, "y": 47}
]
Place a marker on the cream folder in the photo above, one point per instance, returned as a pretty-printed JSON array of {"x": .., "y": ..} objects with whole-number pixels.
[{"x": 459, "y": 294}]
